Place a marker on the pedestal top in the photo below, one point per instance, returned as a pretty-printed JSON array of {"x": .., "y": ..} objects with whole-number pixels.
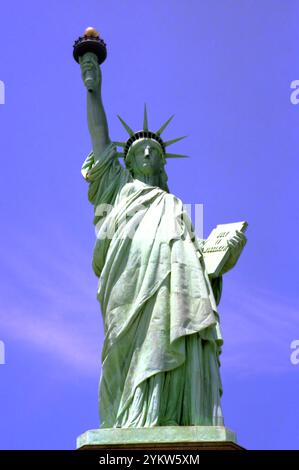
[{"x": 171, "y": 437}]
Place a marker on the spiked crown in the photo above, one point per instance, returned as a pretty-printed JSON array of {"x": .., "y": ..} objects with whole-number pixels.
[{"x": 145, "y": 133}]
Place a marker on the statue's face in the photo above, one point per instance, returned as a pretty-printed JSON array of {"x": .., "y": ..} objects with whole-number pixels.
[{"x": 146, "y": 158}]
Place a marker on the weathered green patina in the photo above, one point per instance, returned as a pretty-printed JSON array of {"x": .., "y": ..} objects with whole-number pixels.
[{"x": 160, "y": 359}]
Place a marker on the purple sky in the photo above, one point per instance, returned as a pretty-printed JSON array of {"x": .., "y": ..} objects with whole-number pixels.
[{"x": 224, "y": 68}]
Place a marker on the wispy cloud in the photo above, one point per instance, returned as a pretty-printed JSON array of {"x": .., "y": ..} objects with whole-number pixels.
[
  {"x": 48, "y": 301},
  {"x": 64, "y": 342}
]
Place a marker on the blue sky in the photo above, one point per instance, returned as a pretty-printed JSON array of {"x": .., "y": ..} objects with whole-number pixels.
[{"x": 224, "y": 68}]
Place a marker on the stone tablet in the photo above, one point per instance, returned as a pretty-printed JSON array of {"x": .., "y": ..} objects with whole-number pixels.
[{"x": 216, "y": 249}]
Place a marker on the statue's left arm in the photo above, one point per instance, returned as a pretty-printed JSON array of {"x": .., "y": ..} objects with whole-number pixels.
[
  {"x": 236, "y": 245},
  {"x": 216, "y": 284}
]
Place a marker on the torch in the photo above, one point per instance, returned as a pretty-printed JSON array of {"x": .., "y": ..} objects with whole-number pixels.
[{"x": 90, "y": 42}]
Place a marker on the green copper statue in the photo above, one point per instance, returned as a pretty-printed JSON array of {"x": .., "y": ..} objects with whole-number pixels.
[{"x": 160, "y": 359}]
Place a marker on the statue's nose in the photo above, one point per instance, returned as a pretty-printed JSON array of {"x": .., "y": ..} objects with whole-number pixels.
[{"x": 146, "y": 152}]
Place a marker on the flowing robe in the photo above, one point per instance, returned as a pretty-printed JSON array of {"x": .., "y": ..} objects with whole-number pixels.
[{"x": 160, "y": 358}]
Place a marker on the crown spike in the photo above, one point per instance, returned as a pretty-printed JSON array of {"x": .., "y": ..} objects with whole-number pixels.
[
  {"x": 120, "y": 154},
  {"x": 145, "y": 122},
  {"x": 169, "y": 142},
  {"x": 128, "y": 129},
  {"x": 120, "y": 144},
  {"x": 175, "y": 155},
  {"x": 159, "y": 132}
]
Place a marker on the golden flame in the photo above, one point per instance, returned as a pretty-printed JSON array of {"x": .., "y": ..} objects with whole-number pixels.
[{"x": 91, "y": 32}]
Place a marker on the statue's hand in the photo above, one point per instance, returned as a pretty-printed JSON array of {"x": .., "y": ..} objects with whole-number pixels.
[
  {"x": 91, "y": 72},
  {"x": 236, "y": 245}
]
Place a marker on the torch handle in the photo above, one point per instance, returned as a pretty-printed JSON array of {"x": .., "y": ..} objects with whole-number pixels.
[{"x": 88, "y": 80}]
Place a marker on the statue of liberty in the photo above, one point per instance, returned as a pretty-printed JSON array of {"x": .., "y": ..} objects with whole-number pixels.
[{"x": 160, "y": 358}]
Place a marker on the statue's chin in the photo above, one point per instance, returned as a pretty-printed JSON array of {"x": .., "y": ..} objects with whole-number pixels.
[{"x": 149, "y": 170}]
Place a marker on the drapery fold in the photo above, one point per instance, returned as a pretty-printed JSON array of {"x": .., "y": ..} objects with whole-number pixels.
[{"x": 160, "y": 359}]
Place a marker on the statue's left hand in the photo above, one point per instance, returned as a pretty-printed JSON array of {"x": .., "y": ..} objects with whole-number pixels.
[{"x": 236, "y": 245}]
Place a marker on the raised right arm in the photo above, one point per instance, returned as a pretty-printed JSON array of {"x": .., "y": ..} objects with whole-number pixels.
[{"x": 96, "y": 117}]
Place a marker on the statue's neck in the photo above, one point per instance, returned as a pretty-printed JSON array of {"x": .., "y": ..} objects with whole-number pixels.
[{"x": 152, "y": 180}]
